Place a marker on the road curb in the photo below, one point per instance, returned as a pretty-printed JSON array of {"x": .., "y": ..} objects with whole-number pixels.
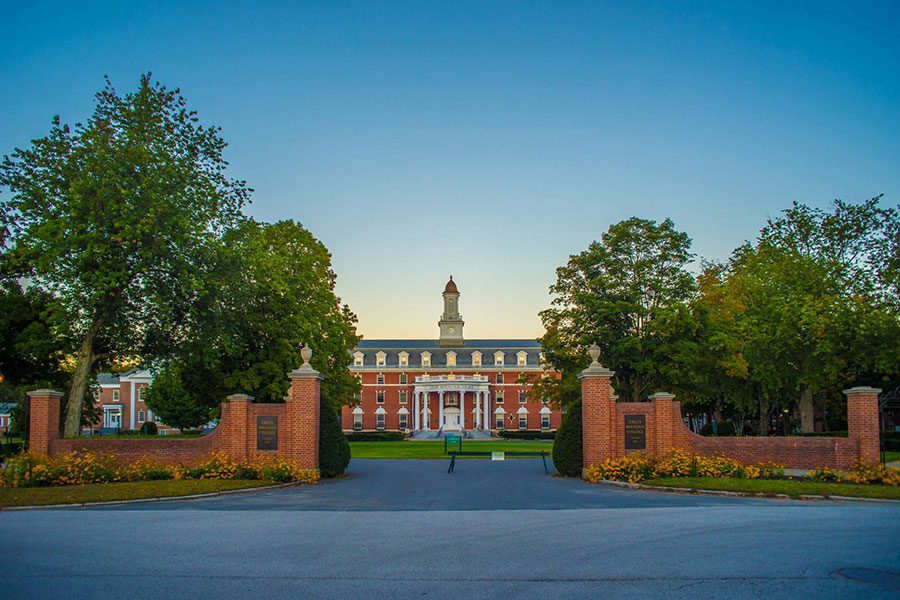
[
  {"x": 688, "y": 490},
  {"x": 154, "y": 499}
]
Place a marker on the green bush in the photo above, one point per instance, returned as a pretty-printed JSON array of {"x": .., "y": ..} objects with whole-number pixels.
[
  {"x": 149, "y": 428},
  {"x": 527, "y": 435},
  {"x": 376, "y": 436},
  {"x": 334, "y": 450},
  {"x": 723, "y": 428},
  {"x": 567, "y": 445}
]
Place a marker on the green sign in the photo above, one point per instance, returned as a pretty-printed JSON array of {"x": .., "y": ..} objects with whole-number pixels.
[{"x": 453, "y": 439}]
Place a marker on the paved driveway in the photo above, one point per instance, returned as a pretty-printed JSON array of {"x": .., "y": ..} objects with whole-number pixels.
[{"x": 407, "y": 529}]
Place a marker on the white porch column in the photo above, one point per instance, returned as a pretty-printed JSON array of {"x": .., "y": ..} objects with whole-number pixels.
[
  {"x": 416, "y": 410},
  {"x": 426, "y": 415},
  {"x": 488, "y": 424},
  {"x": 440, "y": 409},
  {"x": 476, "y": 416},
  {"x": 462, "y": 408}
]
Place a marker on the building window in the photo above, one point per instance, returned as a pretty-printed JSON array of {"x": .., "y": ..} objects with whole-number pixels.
[
  {"x": 115, "y": 395},
  {"x": 379, "y": 421},
  {"x": 379, "y": 379},
  {"x": 499, "y": 377},
  {"x": 499, "y": 397},
  {"x": 357, "y": 422},
  {"x": 522, "y": 358},
  {"x": 499, "y": 421},
  {"x": 358, "y": 359},
  {"x": 403, "y": 422},
  {"x": 403, "y": 380},
  {"x": 379, "y": 359},
  {"x": 157, "y": 419},
  {"x": 140, "y": 392},
  {"x": 403, "y": 397},
  {"x": 404, "y": 359},
  {"x": 451, "y": 359},
  {"x": 476, "y": 359},
  {"x": 498, "y": 358},
  {"x": 545, "y": 421},
  {"x": 379, "y": 396},
  {"x": 523, "y": 396},
  {"x": 426, "y": 359},
  {"x": 523, "y": 422},
  {"x": 142, "y": 416}
]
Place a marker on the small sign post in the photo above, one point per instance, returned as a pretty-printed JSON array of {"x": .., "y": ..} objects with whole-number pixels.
[
  {"x": 452, "y": 439},
  {"x": 498, "y": 456}
]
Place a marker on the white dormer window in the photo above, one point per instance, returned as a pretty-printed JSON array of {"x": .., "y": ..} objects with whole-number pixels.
[
  {"x": 379, "y": 358},
  {"x": 521, "y": 358},
  {"x": 426, "y": 359},
  {"x": 404, "y": 359},
  {"x": 498, "y": 358},
  {"x": 476, "y": 359},
  {"x": 358, "y": 359},
  {"x": 451, "y": 359}
]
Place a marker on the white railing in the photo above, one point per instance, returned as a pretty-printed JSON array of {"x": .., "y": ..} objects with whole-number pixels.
[{"x": 460, "y": 378}]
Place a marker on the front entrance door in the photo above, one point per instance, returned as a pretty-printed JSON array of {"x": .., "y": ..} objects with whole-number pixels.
[{"x": 451, "y": 418}]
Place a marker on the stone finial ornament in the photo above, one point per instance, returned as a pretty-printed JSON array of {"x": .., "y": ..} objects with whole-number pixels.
[
  {"x": 306, "y": 354},
  {"x": 594, "y": 351}
]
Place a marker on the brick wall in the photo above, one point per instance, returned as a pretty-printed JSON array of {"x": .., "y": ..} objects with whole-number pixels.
[
  {"x": 604, "y": 437},
  {"x": 297, "y": 431}
]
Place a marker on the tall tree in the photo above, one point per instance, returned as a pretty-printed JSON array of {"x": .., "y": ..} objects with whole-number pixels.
[
  {"x": 113, "y": 216},
  {"x": 615, "y": 293}
]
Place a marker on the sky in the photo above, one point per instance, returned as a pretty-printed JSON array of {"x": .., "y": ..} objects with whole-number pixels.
[{"x": 491, "y": 140}]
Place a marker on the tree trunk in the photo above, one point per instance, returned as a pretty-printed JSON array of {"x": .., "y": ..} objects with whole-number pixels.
[
  {"x": 807, "y": 411},
  {"x": 763, "y": 418},
  {"x": 84, "y": 362}
]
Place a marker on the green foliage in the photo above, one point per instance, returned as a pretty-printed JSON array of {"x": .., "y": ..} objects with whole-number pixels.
[
  {"x": 723, "y": 428},
  {"x": 334, "y": 449},
  {"x": 567, "y": 445},
  {"x": 149, "y": 428},
  {"x": 174, "y": 398},
  {"x": 116, "y": 218}
]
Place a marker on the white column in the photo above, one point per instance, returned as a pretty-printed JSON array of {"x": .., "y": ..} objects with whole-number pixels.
[
  {"x": 426, "y": 415},
  {"x": 440, "y": 409},
  {"x": 415, "y": 410},
  {"x": 488, "y": 424},
  {"x": 462, "y": 409},
  {"x": 476, "y": 416}
]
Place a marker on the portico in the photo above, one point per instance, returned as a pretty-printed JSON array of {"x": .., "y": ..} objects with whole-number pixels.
[{"x": 449, "y": 394}]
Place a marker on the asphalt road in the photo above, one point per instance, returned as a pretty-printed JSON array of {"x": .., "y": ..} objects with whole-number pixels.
[{"x": 407, "y": 529}]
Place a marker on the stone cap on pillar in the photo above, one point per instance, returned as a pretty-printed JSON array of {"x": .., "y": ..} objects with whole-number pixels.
[
  {"x": 595, "y": 369},
  {"x": 662, "y": 396},
  {"x": 239, "y": 398},
  {"x": 44, "y": 392},
  {"x": 862, "y": 389},
  {"x": 305, "y": 371}
]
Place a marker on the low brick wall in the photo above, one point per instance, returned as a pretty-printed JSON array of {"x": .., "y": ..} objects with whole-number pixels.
[
  {"x": 297, "y": 431},
  {"x": 663, "y": 429}
]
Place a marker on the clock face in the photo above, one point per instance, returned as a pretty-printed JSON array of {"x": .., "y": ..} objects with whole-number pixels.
[{"x": 450, "y": 330}]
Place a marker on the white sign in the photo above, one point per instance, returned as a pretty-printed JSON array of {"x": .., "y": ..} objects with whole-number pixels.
[{"x": 498, "y": 455}]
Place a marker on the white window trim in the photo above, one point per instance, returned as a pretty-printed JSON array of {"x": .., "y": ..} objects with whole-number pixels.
[
  {"x": 426, "y": 359},
  {"x": 451, "y": 359},
  {"x": 380, "y": 359},
  {"x": 522, "y": 358},
  {"x": 358, "y": 359},
  {"x": 403, "y": 359},
  {"x": 499, "y": 358}
]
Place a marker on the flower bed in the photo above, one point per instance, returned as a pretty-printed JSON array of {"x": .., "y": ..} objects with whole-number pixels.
[
  {"x": 639, "y": 466},
  {"x": 79, "y": 468}
]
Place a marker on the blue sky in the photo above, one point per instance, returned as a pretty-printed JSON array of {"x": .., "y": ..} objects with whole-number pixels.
[{"x": 491, "y": 140}]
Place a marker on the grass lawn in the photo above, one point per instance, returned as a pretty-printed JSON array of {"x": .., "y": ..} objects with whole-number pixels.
[
  {"x": 435, "y": 448},
  {"x": 891, "y": 456},
  {"x": 132, "y": 490},
  {"x": 773, "y": 486}
]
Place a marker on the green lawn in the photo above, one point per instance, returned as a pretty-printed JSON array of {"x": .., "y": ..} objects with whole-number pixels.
[
  {"x": 778, "y": 486},
  {"x": 435, "y": 448},
  {"x": 891, "y": 456},
  {"x": 132, "y": 490}
]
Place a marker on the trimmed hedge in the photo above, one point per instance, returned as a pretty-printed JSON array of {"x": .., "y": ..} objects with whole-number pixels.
[
  {"x": 528, "y": 435},
  {"x": 149, "y": 428},
  {"x": 376, "y": 436},
  {"x": 567, "y": 445},
  {"x": 334, "y": 451}
]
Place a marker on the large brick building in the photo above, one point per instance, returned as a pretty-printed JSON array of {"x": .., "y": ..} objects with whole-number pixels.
[{"x": 448, "y": 384}]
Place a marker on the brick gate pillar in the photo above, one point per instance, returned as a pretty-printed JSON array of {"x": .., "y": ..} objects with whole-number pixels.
[
  {"x": 302, "y": 414},
  {"x": 862, "y": 421},
  {"x": 597, "y": 411},
  {"x": 43, "y": 422},
  {"x": 663, "y": 419}
]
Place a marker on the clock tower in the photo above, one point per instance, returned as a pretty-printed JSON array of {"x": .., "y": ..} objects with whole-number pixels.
[{"x": 451, "y": 322}]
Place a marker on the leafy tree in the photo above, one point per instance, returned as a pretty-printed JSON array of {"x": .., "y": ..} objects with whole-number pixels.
[
  {"x": 276, "y": 294},
  {"x": 113, "y": 217},
  {"x": 615, "y": 293}
]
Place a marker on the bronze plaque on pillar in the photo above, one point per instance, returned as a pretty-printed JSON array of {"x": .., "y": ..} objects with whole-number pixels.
[
  {"x": 267, "y": 432},
  {"x": 635, "y": 432}
]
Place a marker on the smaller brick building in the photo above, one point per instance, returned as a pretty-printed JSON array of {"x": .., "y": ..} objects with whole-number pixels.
[{"x": 120, "y": 399}]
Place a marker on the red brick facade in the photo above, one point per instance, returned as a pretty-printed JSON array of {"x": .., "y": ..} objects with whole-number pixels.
[
  {"x": 604, "y": 435},
  {"x": 297, "y": 429}
]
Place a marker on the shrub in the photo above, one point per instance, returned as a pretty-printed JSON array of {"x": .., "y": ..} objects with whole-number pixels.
[
  {"x": 528, "y": 435},
  {"x": 824, "y": 475},
  {"x": 723, "y": 428},
  {"x": 376, "y": 436},
  {"x": 567, "y": 445},
  {"x": 149, "y": 428},
  {"x": 334, "y": 450},
  {"x": 638, "y": 466}
]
